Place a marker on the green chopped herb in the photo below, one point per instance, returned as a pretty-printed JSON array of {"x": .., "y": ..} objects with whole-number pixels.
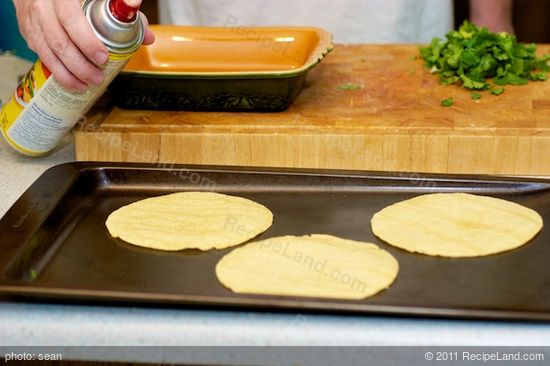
[
  {"x": 476, "y": 96},
  {"x": 34, "y": 274},
  {"x": 497, "y": 91},
  {"x": 447, "y": 102},
  {"x": 350, "y": 86},
  {"x": 472, "y": 55}
]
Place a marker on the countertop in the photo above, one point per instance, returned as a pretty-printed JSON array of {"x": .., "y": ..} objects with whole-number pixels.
[{"x": 40, "y": 324}]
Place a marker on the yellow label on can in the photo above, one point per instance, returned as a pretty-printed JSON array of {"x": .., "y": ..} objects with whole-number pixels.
[
  {"x": 35, "y": 78},
  {"x": 28, "y": 86},
  {"x": 41, "y": 111}
]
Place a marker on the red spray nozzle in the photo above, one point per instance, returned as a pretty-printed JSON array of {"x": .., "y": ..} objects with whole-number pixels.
[{"x": 125, "y": 10}]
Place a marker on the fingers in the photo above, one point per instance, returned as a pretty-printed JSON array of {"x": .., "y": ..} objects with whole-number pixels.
[
  {"x": 25, "y": 20},
  {"x": 75, "y": 24},
  {"x": 149, "y": 35},
  {"x": 60, "y": 54},
  {"x": 62, "y": 75},
  {"x": 58, "y": 31}
]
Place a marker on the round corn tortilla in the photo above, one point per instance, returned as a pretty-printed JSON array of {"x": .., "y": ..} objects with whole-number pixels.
[
  {"x": 189, "y": 220},
  {"x": 312, "y": 266},
  {"x": 456, "y": 225}
]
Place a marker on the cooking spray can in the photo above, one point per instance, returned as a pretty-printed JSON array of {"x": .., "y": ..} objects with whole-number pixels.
[{"x": 41, "y": 111}]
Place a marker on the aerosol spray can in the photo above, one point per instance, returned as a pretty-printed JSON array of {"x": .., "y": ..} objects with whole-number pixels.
[{"x": 41, "y": 111}]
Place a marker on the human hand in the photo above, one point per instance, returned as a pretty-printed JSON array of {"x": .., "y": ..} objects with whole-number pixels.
[
  {"x": 58, "y": 31},
  {"x": 493, "y": 14},
  {"x": 494, "y": 24}
]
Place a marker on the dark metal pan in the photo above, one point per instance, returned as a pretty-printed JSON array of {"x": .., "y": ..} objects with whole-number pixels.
[{"x": 54, "y": 244}]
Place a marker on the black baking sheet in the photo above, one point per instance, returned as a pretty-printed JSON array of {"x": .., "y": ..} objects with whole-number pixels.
[{"x": 54, "y": 244}]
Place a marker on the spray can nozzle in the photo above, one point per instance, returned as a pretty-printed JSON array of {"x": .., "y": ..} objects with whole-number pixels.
[{"x": 125, "y": 10}]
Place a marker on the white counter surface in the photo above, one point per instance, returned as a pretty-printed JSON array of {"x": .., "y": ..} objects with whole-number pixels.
[{"x": 63, "y": 325}]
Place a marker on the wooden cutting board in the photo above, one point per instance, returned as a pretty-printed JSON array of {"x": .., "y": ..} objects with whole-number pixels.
[{"x": 394, "y": 122}]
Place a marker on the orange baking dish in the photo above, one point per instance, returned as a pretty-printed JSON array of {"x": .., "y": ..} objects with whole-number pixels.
[{"x": 205, "y": 68}]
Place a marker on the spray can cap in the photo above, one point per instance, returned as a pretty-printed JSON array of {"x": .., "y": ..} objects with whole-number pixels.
[{"x": 125, "y": 10}]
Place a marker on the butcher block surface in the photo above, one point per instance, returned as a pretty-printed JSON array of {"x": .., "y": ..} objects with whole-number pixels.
[{"x": 392, "y": 121}]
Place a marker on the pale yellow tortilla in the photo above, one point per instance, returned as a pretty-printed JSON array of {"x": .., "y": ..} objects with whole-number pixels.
[
  {"x": 189, "y": 220},
  {"x": 312, "y": 266},
  {"x": 456, "y": 225}
]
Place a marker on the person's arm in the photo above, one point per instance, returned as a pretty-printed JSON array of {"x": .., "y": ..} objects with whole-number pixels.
[
  {"x": 59, "y": 33},
  {"x": 493, "y": 14}
]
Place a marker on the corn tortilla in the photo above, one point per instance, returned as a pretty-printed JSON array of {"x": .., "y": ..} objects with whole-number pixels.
[
  {"x": 312, "y": 266},
  {"x": 456, "y": 225},
  {"x": 189, "y": 220}
]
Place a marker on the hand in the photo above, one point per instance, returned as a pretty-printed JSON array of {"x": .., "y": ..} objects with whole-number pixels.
[
  {"x": 60, "y": 34},
  {"x": 493, "y": 14},
  {"x": 493, "y": 24}
]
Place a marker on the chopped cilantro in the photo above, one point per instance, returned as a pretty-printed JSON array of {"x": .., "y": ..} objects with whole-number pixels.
[
  {"x": 471, "y": 55},
  {"x": 476, "y": 96},
  {"x": 447, "y": 102},
  {"x": 497, "y": 91},
  {"x": 350, "y": 86}
]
